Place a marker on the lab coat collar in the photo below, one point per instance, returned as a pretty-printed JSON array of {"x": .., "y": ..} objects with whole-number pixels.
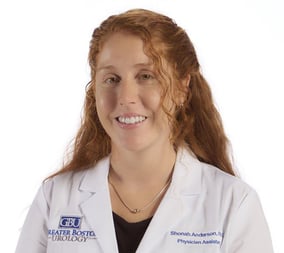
[
  {"x": 185, "y": 186},
  {"x": 95, "y": 179},
  {"x": 97, "y": 208},
  {"x": 186, "y": 176},
  {"x": 178, "y": 201}
]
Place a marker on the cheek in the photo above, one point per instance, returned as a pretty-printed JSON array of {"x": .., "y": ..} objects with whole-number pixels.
[
  {"x": 105, "y": 102},
  {"x": 152, "y": 99},
  {"x": 163, "y": 110},
  {"x": 154, "y": 104}
]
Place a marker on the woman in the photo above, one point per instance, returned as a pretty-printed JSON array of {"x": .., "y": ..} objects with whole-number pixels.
[{"x": 150, "y": 170}]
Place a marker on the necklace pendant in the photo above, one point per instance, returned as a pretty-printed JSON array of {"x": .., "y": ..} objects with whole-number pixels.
[{"x": 135, "y": 210}]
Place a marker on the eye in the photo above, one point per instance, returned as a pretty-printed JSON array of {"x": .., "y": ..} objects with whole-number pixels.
[
  {"x": 112, "y": 80},
  {"x": 145, "y": 76}
]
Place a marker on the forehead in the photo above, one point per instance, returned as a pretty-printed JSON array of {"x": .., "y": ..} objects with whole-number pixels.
[{"x": 122, "y": 48}]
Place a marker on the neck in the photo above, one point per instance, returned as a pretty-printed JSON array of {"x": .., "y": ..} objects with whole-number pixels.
[{"x": 147, "y": 166}]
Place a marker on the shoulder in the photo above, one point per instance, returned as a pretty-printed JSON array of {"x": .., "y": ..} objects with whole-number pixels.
[
  {"x": 221, "y": 199},
  {"x": 214, "y": 177},
  {"x": 60, "y": 186},
  {"x": 210, "y": 181},
  {"x": 74, "y": 183}
]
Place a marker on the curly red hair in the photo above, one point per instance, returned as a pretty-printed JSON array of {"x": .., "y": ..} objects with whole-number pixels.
[{"x": 196, "y": 123}]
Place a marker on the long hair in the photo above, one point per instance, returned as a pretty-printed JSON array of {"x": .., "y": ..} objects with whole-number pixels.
[{"x": 195, "y": 123}]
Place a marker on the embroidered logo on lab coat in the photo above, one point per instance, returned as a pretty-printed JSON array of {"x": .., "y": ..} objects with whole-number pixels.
[
  {"x": 69, "y": 222},
  {"x": 69, "y": 230}
]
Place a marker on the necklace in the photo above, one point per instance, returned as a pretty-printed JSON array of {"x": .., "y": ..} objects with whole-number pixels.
[{"x": 138, "y": 210}]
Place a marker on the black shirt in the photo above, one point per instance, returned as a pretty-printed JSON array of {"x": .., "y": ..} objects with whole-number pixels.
[{"x": 129, "y": 235}]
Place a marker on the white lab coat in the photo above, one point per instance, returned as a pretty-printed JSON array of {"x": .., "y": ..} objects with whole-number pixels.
[{"x": 204, "y": 210}]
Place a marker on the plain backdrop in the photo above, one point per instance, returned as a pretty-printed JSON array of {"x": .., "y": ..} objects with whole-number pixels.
[{"x": 44, "y": 70}]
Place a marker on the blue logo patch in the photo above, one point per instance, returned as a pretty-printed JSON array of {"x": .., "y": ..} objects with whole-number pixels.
[{"x": 70, "y": 222}]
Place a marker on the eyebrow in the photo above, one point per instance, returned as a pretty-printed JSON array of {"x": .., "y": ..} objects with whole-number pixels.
[
  {"x": 146, "y": 64},
  {"x": 138, "y": 65},
  {"x": 105, "y": 67}
]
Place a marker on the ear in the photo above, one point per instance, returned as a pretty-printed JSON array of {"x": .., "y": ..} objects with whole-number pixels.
[
  {"x": 186, "y": 81},
  {"x": 185, "y": 84}
]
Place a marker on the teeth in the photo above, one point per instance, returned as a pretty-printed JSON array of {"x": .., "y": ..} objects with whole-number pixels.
[{"x": 131, "y": 120}]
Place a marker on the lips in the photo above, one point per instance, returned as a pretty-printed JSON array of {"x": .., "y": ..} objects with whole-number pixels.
[{"x": 131, "y": 120}]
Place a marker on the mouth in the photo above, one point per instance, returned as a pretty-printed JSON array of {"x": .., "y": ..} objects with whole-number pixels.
[{"x": 131, "y": 120}]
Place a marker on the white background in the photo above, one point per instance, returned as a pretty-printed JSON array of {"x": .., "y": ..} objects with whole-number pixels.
[{"x": 43, "y": 72}]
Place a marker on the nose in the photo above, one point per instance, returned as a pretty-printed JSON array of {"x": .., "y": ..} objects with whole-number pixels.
[{"x": 128, "y": 93}]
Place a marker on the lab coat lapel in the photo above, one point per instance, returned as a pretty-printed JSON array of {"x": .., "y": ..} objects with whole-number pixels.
[
  {"x": 97, "y": 208},
  {"x": 160, "y": 224},
  {"x": 177, "y": 202}
]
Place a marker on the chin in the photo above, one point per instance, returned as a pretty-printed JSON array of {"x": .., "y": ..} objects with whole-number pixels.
[{"x": 132, "y": 146}]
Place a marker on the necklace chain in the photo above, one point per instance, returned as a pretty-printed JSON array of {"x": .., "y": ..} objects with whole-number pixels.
[{"x": 138, "y": 210}]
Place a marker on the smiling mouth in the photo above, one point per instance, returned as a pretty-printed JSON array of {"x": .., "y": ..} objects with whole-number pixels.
[{"x": 131, "y": 120}]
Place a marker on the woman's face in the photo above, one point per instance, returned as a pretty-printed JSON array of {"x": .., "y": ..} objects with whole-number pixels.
[{"x": 128, "y": 95}]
